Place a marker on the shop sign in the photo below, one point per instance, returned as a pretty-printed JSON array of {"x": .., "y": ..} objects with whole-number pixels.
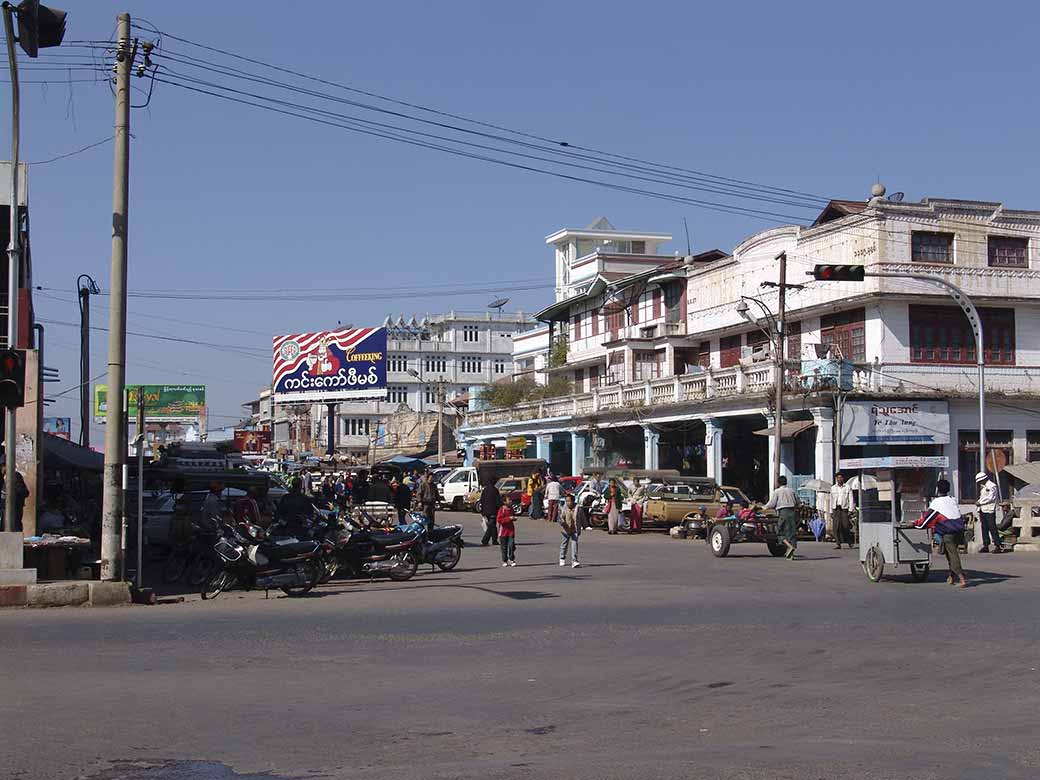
[
  {"x": 330, "y": 365},
  {"x": 896, "y": 462},
  {"x": 516, "y": 443},
  {"x": 253, "y": 442},
  {"x": 895, "y": 422}
]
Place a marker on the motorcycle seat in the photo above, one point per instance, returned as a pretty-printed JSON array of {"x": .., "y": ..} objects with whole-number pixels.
[
  {"x": 287, "y": 550},
  {"x": 440, "y": 533},
  {"x": 392, "y": 538}
]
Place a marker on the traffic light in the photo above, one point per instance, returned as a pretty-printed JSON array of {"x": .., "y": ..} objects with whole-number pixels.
[
  {"x": 39, "y": 27},
  {"x": 838, "y": 273},
  {"x": 12, "y": 378}
]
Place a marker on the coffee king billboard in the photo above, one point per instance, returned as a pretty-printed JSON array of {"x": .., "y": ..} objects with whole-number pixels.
[{"x": 326, "y": 366}]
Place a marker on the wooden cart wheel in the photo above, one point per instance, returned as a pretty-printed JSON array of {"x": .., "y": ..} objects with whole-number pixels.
[
  {"x": 919, "y": 571},
  {"x": 874, "y": 564}
]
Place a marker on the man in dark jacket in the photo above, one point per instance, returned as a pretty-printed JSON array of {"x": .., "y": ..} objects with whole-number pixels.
[
  {"x": 490, "y": 501},
  {"x": 428, "y": 497},
  {"x": 402, "y": 498}
]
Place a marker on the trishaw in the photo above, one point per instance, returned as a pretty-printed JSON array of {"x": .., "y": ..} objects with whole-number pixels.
[{"x": 888, "y": 540}]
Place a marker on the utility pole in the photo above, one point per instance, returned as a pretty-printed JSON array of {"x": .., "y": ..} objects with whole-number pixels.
[
  {"x": 14, "y": 273},
  {"x": 87, "y": 287},
  {"x": 440, "y": 422},
  {"x": 781, "y": 329},
  {"x": 115, "y": 431}
]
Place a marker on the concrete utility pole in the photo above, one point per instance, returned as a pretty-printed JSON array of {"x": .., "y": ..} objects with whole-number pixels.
[
  {"x": 115, "y": 430},
  {"x": 14, "y": 268},
  {"x": 781, "y": 328},
  {"x": 441, "y": 393},
  {"x": 87, "y": 287}
]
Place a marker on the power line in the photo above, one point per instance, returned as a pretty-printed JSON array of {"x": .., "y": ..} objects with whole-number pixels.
[
  {"x": 479, "y": 123},
  {"x": 243, "y": 351},
  {"x": 73, "y": 153},
  {"x": 698, "y": 182}
]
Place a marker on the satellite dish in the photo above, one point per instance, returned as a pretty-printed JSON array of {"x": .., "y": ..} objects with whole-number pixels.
[
  {"x": 896, "y": 197},
  {"x": 498, "y": 303}
]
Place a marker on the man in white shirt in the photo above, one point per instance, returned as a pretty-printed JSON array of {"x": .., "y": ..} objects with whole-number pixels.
[
  {"x": 843, "y": 504},
  {"x": 943, "y": 519},
  {"x": 987, "y": 504},
  {"x": 552, "y": 498}
]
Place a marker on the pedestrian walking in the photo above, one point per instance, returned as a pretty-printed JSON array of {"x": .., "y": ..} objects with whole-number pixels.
[
  {"x": 943, "y": 517},
  {"x": 305, "y": 482},
  {"x": 785, "y": 503},
  {"x": 613, "y": 510},
  {"x": 359, "y": 490},
  {"x": 843, "y": 504},
  {"x": 553, "y": 493},
  {"x": 490, "y": 502},
  {"x": 507, "y": 532},
  {"x": 428, "y": 497},
  {"x": 987, "y": 504},
  {"x": 570, "y": 529},
  {"x": 536, "y": 489},
  {"x": 20, "y": 495},
  {"x": 585, "y": 511}
]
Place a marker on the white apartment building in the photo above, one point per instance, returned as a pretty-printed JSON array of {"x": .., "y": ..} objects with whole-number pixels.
[
  {"x": 458, "y": 351},
  {"x": 668, "y": 374}
]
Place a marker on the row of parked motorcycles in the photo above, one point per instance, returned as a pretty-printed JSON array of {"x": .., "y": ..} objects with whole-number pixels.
[{"x": 352, "y": 544}]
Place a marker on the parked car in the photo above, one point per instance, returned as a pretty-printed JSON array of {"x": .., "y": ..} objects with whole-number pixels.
[
  {"x": 598, "y": 507},
  {"x": 514, "y": 487},
  {"x": 571, "y": 485}
]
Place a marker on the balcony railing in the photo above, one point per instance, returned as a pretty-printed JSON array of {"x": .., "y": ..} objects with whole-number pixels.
[{"x": 889, "y": 379}]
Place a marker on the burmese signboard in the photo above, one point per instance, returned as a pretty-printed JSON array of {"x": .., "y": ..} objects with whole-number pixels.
[
  {"x": 895, "y": 422},
  {"x": 162, "y": 403}
]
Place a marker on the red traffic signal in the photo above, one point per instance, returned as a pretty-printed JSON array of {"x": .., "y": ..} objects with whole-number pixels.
[
  {"x": 838, "y": 273},
  {"x": 39, "y": 27},
  {"x": 12, "y": 378}
]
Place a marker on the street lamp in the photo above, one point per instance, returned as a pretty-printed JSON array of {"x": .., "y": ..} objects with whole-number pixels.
[{"x": 775, "y": 334}]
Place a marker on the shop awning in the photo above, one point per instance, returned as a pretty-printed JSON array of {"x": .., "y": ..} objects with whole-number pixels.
[
  {"x": 61, "y": 454},
  {"x": 1028, "y": 473},
  {"x": 788, "y": 429}
]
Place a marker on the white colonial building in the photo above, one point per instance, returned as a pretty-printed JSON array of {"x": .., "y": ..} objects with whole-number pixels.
[{"x": 668, "y": 373}]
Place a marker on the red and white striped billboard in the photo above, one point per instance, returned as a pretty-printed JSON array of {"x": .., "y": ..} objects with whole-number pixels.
[{"x": 332, "y": 365}]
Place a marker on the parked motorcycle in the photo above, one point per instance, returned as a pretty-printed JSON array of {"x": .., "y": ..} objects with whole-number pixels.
[
  {"x": 250, "y": 560},
  {"x": 361, "y": 550},
  {"x": 440, "y": 546}
]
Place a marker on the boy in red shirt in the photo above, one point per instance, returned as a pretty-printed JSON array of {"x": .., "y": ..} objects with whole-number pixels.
[{"x": 506, "y": 532}]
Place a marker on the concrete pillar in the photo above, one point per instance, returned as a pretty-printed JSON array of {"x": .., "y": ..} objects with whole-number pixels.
[
  {"x": 651, "y": 447},
  {"x": 578, "y": 443},
  {"x": 28, "y": 447},
  {"x": 470, "y": 446},
  {"x": 787, "y": 460},
  {"x": 713, "y": 448},
  {"x": 770, "y": 422},
  {"x": 825, "y": 465},
  {"x": 669, "y": 360},
  {"x": 541, "y": 447}
]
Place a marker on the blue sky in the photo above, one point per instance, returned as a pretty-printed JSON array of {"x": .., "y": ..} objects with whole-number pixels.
[{"x": 933, "y": 98}]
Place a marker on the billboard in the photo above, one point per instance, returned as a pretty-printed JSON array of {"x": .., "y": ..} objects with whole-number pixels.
[
  {"x": 253, "y": 442},
  {"x": 162, "y": 403},
  {"x": 58, "y": 426},
  {"x": 895, "y": 422},
  {"x": 330, "y": 365}
]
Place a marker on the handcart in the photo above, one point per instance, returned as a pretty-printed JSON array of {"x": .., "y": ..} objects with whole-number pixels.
[{"x": 889, "y": 542}]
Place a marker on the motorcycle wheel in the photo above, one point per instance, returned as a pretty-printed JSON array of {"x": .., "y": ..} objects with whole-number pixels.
[
  {"x": 217, "y": 584},
  {"x": 175, "y": 567},
  {"x": 406, "y": 568},
  {"x": 312, "y": 570},
  {"x": 201, "y": 570},
  {"x": 331, "y": 567},
  {"x": 452, "y": 556}
]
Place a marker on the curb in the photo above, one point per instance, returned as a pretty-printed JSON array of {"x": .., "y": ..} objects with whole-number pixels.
[{"x": 65, "y": 594}]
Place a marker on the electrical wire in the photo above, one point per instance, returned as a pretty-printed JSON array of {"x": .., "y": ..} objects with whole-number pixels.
[
  {"x": 73, "y": 153},
  {"x": 240, "y": 350},
  {"x": 674, "y": 179},
  {"x": 437, "y": 112}
]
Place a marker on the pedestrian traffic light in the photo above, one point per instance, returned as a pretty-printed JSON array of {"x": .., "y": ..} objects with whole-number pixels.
[
  {"x": 838, "y": 273},
  {"x": 12, "y": 378},
  {"x": 39, "y": 26}
]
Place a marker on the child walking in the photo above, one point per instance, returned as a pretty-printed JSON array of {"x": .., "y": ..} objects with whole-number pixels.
[
  {"x": 570, "y": 528},
  {"x": 507, "y": 531}
]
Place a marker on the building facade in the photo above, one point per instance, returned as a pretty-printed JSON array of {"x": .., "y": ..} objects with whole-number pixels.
[{"x": 668, "y": 373}]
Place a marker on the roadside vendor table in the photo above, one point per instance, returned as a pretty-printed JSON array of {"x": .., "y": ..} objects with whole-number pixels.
[
  {"x": 54, "y": 557},
  {"x": 885, "y": 541}
]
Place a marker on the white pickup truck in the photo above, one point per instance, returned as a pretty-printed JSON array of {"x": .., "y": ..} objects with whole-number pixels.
[{"x": 457, "y": 485}]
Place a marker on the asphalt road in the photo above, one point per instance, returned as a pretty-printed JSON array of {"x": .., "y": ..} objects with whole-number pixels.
[{"x": 653, "y": 660}]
